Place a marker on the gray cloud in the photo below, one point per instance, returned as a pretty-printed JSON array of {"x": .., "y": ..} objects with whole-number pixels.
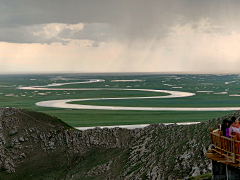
[
  {"x": 107, "y": 20},
  {"x": 26, "y": 35},
  {"x": 96, "y": 32},
  {"x": 49, "y": 34}
]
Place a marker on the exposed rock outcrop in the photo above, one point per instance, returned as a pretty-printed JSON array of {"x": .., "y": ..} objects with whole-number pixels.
[{"x": 53, "y": 149}]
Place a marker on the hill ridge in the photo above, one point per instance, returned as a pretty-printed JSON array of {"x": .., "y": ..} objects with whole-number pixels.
[{"x": 34, "y": 145}]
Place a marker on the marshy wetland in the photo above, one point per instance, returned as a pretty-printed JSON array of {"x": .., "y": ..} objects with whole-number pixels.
[{"x": 120, "y": 99}]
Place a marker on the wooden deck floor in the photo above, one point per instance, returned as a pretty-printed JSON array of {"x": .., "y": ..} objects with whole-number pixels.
[{"x": 217, "y": 157}]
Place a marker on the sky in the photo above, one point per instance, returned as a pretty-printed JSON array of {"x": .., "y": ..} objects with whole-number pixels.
[{"x": 165, "y": 36}]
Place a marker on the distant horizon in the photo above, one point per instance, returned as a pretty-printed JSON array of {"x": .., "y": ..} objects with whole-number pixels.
[{"x": 127, "y": 73}]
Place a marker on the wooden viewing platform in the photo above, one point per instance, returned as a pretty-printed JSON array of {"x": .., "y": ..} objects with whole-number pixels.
[
  {"x": 224, "y": 150},
  {"x": 225, "y": 156}
]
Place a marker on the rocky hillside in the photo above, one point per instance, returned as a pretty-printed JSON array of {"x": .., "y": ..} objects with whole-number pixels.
[{"x": 38, "y": 146}]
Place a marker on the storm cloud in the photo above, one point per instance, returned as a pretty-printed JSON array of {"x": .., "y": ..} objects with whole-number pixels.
[
  {"x": 119, "y": 36},
  {"x": 106, "y": 21}
]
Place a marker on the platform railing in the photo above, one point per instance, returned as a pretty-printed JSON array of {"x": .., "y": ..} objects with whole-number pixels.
[{"x": 226, "y": 147}]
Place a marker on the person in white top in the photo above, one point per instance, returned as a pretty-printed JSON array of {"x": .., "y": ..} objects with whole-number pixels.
[{"x": 234, "y": 128}]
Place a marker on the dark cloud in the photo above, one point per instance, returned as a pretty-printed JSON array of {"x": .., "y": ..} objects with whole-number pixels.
[
  {"x": 57, "y": 33},
  {"x": 26, "y": 35},
  {"x": 107, "y": 20}
]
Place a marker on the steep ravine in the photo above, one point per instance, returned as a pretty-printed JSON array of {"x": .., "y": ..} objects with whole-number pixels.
[{"x": 34, "y": 145}]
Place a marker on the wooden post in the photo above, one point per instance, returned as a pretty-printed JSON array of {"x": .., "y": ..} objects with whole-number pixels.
[
  {"x": 220, "y": 141},
  {"x": 219, "y": 125},
  {"x": 234, "y": 149}
]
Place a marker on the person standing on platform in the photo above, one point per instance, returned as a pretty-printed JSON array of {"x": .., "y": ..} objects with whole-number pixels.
[{"x": 234, "y": 128}]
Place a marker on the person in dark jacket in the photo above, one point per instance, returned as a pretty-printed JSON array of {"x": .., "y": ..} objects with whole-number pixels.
[{"x": 224, "y": 126}]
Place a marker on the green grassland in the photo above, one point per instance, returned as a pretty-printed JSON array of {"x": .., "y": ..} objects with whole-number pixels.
[
  {"x": 10, "y": 96},
  {"x": 200, "y": 100}
]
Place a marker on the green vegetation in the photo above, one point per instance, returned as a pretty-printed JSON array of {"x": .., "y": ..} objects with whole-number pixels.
[
  {"x": 48, "y": 119},
  {"x": 96, "y": 157},
  {"x": 194, "y": 101},
  {"x": 10, "y": 96},
  {"x": 202, "y": 177}
]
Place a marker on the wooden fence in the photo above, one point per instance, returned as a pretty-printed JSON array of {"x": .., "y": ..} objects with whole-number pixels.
[{"x": 226, "y": 147}]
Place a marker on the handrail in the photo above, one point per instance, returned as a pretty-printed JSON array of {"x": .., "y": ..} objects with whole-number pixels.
[{"x": 226, "y": 147}]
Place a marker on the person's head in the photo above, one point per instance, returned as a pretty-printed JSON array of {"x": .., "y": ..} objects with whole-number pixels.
[
  {"x": 234, "y": 120},
  {"x": 225, "y": 122}
]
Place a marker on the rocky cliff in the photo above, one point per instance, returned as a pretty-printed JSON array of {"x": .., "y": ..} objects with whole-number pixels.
[{"x": 38, "y": 146}]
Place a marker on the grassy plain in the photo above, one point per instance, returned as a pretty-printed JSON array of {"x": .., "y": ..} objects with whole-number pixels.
[{"x": 211, "y": 91}]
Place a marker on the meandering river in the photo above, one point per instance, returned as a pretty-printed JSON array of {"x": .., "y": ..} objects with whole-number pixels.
[{"x": 65, "y": 103}]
